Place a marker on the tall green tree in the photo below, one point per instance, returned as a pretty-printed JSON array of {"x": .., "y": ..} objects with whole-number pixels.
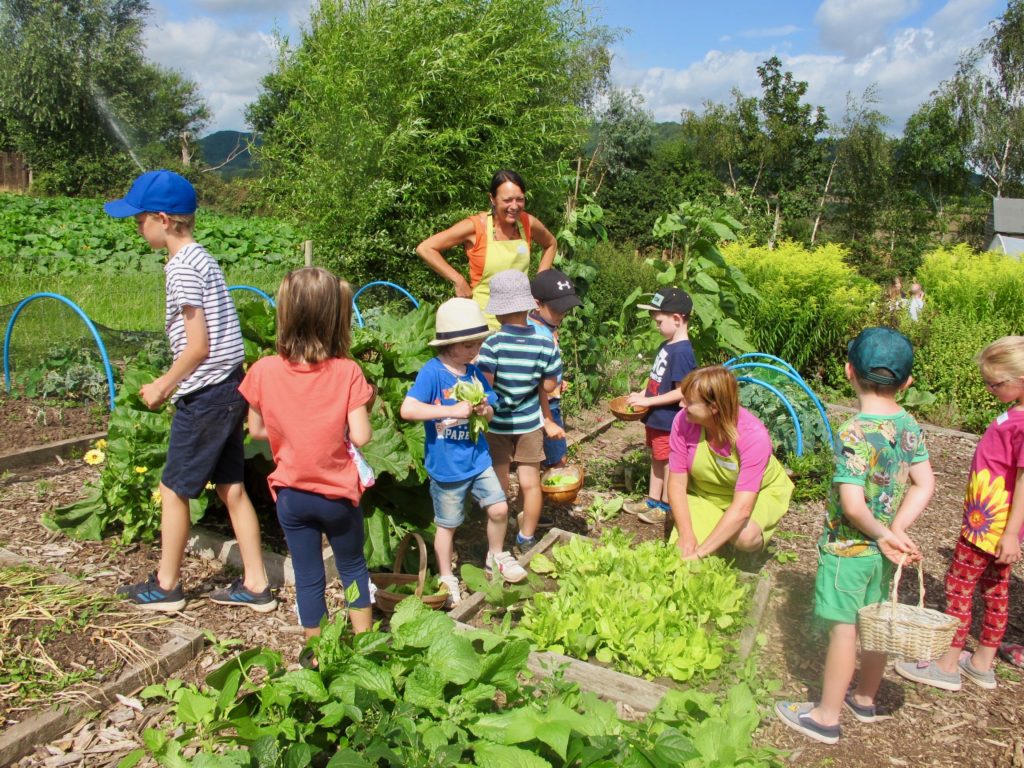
[
  {"x": 76, "y": 91},
  {"x": 386, "y": 122},
  {"x": 932, "y": 155},
  {"x": 988, "y": 93}
]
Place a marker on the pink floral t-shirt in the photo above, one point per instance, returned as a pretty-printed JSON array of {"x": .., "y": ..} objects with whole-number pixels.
[{"x": 991, "y": 483}]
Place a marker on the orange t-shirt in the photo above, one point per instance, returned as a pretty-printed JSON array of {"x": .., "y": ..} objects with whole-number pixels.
[
  {"x": 477, "y": 253},
  {"x": 305, "y": 409}
]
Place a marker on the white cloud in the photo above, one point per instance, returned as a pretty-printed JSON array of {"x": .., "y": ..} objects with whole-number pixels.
[
  {"x": 855, "y": 27},
  {"x": 906, "y": 67},
  {"x": 227, "y": 64}
]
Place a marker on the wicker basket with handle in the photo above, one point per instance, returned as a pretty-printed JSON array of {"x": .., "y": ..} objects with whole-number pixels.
[
  {"x": 910, "y": 631},
  {"x": 387, "y": 601}
]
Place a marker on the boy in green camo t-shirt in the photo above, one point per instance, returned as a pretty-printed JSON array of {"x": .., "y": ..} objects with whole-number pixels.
[{"x": 883, "y": 480}]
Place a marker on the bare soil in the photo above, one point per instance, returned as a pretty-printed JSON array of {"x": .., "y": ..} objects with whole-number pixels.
[
  {"x": 26, "y": 422},
  {"x": 927, "y": 727}
]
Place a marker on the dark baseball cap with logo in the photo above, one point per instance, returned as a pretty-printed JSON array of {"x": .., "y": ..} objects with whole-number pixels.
[
  {"x": 674, "y": 301},
  {"x": 555, "y": 289},
  {"x": 877, "y": 351}
]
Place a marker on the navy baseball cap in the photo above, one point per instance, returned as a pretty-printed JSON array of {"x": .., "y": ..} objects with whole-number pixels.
[
  {"x": 554, "y": 288},
  {"x": 673, "y": 301},
  {"x": 882, "y": 348},
  {"x": 155, "y": 192}
]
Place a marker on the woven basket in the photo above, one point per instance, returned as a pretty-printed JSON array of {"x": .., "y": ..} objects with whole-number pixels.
[
  {"x": 620, "y": 410},
  {"x": 387, "y": 601},
  {"x": 562, "y": 494},
  {"x": 910, "y": 631}
]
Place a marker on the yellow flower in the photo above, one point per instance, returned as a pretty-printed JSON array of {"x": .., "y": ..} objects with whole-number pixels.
[
  {"x": 211, "y": 487},
  {"x": 142, "y": 470},
  {"x": 156, "y": 498},
  {"x": 101, "y": 445},
  {"x": 94, "y": 457}
]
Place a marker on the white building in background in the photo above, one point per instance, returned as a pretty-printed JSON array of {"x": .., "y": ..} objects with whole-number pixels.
[{"x": 1004, "y": 229}]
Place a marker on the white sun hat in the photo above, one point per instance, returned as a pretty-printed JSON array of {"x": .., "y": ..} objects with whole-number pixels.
[
  {"x": 510, "y": 292},
  {"x": 459, "y": 320}
]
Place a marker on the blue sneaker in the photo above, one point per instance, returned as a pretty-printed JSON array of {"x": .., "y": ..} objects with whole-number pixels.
[
  {"x": 150, "y": 596},
  {"x": 237, "y": 594},
  {"x": 523, "y": 545}
]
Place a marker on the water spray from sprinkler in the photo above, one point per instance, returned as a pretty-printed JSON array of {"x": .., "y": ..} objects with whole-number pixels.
[{"x": 108, "y": 114}]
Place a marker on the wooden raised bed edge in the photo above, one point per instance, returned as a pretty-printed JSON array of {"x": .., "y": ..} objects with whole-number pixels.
[
  {"x": 637, "y": 693},
  {"x": 23, "y": 737},
  {"x": 37, "y": 454}
]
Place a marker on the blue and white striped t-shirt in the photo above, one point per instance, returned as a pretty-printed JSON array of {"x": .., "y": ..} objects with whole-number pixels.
[
  {"x": 194, "y": 279},
  {"x": 519, "y": 359}
]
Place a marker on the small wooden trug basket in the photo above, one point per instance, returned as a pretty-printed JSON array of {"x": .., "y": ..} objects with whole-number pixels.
[
  {"x": 621, "y": 410},
  {"x": 387, "y": 601},
  {"x": 909, "y": 631},
  {"x": 562, "y": 494}
]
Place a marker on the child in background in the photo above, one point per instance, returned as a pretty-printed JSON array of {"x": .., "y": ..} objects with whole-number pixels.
[
  {"x": 206, "y": 442},
  {"x": 457, "y": 463},
  {"x": 916, "y": 304},
  {"x": 311, "y": 401},
  {"x": 670, "y": 309},
  {"x": 882, "y": 482},
  {"x": 517, "y": 361},
  {"x": 991, "y": 531}
]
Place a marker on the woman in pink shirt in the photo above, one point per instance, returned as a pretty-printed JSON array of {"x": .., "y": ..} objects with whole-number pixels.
[{"x": 724, "y": 484}]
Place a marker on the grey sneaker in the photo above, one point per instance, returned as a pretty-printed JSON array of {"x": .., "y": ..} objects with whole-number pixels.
[
  {"x": 928, "y": 672},
  {"x": 237, "y": 594},
  {"x": 150, "y": 596},
  {"x": 986, "y": 679},
  {"x": 795, "y": 715}
]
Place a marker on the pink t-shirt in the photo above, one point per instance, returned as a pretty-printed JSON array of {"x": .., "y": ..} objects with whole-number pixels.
[
  {"x": 305, "y": 409},
  {"x": 992, "y": 481},
  {"x": 754, "y": 448}
]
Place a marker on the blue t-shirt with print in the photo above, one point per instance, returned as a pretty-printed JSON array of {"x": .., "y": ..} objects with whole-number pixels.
[
  {"x": 450, "y": 455},
  {"x": 672, "y": 363}
]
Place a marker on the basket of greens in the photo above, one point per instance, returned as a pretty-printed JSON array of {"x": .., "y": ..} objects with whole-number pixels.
[
  {"x": 560, "y": 485},
  {"x": 624, "y": 411},
  {"x": 394, "y": 587}
]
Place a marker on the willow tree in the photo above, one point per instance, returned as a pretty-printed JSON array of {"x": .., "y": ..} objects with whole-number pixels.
[{"x": 385, "y": 123}]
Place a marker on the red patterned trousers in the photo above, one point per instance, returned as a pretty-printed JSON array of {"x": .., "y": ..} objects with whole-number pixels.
[{"x": 970, "y": 567}]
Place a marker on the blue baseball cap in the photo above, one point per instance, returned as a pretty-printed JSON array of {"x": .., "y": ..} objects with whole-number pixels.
[{"x": 155, "y": 192}]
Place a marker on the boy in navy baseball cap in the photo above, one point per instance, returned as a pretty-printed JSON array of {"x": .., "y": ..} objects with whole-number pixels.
[{"x": 206, "y": 443}]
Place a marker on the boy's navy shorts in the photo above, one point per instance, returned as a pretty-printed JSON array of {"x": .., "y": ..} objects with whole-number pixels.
[{"x": 207, "y": 442}]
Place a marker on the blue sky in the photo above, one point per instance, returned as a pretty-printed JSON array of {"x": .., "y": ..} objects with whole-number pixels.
[{"x": 676, "y": 54}]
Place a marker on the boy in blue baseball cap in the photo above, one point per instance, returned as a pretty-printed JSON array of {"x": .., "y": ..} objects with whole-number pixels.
[{"x": 202, "y": 383}]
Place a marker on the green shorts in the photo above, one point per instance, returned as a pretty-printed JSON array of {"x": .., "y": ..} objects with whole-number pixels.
[{"x": 844, "y": 585}]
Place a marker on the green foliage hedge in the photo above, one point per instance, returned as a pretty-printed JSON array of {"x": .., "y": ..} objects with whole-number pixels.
[
  {"x": 811, "y": 303},
  {"x": 981, "y": 286}
]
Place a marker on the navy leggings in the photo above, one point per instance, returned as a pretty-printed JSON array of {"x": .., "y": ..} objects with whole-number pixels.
[{"x": 305, "y": 518}]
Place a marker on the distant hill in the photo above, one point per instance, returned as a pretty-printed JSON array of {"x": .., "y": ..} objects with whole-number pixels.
[{"x": 217, "y": 147}]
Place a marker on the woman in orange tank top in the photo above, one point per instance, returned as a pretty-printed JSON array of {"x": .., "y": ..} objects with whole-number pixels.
[{"x": 494, "y": 241}]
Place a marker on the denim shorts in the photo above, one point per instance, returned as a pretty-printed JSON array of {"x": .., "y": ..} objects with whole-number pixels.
[
  {"x": 555, "y": 451},
  {"x": 207, "y": 442},
  {"x": 450, "y": 498}
]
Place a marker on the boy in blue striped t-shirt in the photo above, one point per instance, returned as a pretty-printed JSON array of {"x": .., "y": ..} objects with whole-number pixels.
[{"x": 518, "y": 362}]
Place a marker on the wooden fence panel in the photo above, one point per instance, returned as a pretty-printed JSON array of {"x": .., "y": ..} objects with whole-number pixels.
[{"x": 14, "y": 172}]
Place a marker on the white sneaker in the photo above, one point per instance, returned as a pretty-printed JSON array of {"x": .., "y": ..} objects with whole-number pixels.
[
  {"x": 503, "y": 562},
  {"x": 451, "y": 583}
]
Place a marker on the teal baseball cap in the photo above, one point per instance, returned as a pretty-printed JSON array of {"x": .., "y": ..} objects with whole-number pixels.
[
  {"x": 160, "y": 191},
  {"x": 881, "y": 348}
]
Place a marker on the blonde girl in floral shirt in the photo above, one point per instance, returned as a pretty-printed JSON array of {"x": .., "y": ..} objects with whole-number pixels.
[{"x": 990, "y": 534}]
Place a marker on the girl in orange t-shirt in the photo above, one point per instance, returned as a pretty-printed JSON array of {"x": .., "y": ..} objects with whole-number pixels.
[{"x": 311, "y": 401}]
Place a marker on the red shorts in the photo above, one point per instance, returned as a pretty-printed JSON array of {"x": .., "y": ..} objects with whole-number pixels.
[{"x": 657, "y": 441}]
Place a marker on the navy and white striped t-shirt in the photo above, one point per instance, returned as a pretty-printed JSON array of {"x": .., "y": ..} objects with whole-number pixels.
[
  {"x": 519, "y": 359},
  {"x": 194, "y": 279}
]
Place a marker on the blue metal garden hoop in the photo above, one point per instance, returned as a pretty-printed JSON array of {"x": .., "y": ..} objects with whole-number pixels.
[
  {"x": 400, "y": 289},
  {"x": 85, "y": 318},
  {"x": 254, "y": 289}
]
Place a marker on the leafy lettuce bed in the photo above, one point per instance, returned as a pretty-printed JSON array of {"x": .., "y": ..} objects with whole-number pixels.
[
  {"x": 428, "y": 695},
  {"x": 639, "y": 608}
]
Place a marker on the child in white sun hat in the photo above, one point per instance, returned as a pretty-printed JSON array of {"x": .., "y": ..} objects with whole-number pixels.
[{"x": 457, "y": 457}]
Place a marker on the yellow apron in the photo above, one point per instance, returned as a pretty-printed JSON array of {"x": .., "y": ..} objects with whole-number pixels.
[
  {"x": 501, "y": 255},
  {"x": 711, "y": 486}
]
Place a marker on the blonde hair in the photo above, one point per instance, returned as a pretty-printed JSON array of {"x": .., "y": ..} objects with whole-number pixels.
[
  {"x": 1003, "y": 356},
  {"x": 182, "y": 224},
  {"x": 314, "y": 316},
  {"x": 716, "y": 385}
]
